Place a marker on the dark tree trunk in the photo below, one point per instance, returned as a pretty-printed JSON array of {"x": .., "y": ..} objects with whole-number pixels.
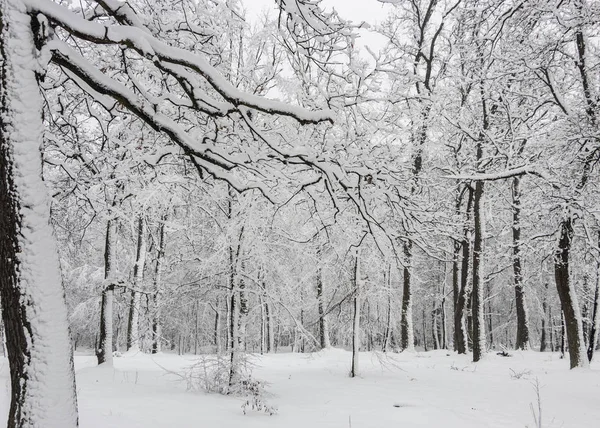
[
  {"x": 595, "y": 322},
  {"x": 323, "y": 325},
  {"x": 522, "y": 341},
  {"x": 544, "y": 338},
  {"x": 406, "y": 322},
  {"x": 568, "y": 297},
  {"x": 356, "y": 317},
  {"x": 105, "y": 347},
  {"x": 156, "y": 319},
  {"x": 460, "y": 314},
  {"x": 133, "y": 339}
]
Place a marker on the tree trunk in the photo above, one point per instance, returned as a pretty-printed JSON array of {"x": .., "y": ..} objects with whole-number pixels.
[
  {"x": 104, "y": 353},
  {"x": 407, "y": 339},
  {"x": 595, "y": 323},
  {"x": 544, "y": 337},
  {"x": 217, "y": 333},
  {"x": 31, "y": 293},
  {"x": 568, "y": 297},
  {"x": 388, "y": 324},
  {"x": 460, "y": 314},
  {"x": 356, "y": 319},
  {"x": 478, "y": 318},
  {"x": 156, "y": 320},
  {"x": 323, "y": 324},
  {"x": 133, "y": 333},
  {"x": 522, "y": 341}
]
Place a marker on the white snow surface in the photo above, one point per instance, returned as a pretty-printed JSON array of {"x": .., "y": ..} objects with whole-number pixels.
[{"x": 429, "y": 389}]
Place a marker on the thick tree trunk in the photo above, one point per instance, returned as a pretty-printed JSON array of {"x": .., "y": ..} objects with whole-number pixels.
[
  {"x": 478, "y": 316},
  {"x": 460, "y": 314},
  {"x": 356, "y": 320},
  {"x": 157, "y": 303},
  {"x": 407, "y": 339},
  {"x": 568, "y": 297},
  {"x": 31, "y": 292},
  {"x": 104, "y": 352},
  {"x": 133, "y": 332}
]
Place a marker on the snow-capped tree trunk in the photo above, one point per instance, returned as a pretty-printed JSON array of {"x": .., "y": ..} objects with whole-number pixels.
[
  {"x": 407, "y": 338},
  {"x": 156, "y": 319},
  {"x": 568, "y": 297},
  {"x": 31, "y": 292},
  {"x": 133, "y": 335},
  {"x": 478, "y": 317},
  {"x": 104, "y": 351},
  {"x": 356, "y": 320},
  {"x": 522, "y": 341},
  {"x": 323, "y": 325}
]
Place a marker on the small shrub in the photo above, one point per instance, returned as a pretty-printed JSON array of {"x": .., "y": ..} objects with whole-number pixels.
[{"x": 211, "y": 373}]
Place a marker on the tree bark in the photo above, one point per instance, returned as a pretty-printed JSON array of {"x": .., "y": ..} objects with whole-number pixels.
[
  {"x": 388, "y": 324},
  {"x": 407, "y": 339},
  {"x": 31, "y": 293},
  {"x": 544, "y": 336},
  {"x": 478, "y": 316},
  {"x": 157, "y": 303},
  {"x": 460, "y": 313},
  {"x": 595, "y": 323},
  {"x": 104, "y": 352},
  {"x": 323, "y": 324},
  {"x": 522, "y": 341},
  {"x": 568, "y": 297},
  {"x": 356, "y": 320},
  {"x": 133, "y": 332}
]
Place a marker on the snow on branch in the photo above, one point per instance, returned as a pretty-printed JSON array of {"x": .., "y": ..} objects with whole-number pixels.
[
  {"x": 139, "y": 39},
  {"x": 514, "y": 172}
]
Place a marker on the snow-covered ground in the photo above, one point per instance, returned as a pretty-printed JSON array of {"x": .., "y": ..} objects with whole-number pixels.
[{"x": 432, "y": 389}]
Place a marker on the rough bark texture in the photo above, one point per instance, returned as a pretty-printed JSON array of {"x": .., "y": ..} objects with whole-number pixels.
[
  {"x": 544, "y": 336},
  {"x": 31, "y": 293},
  {"x": 323, "y": 325},
  {"x": 568, "y": 297},
  {"x": 407, "y": 339},
  {"x": 522, "y": 341},
  {"x": 104, "y": 351},
  {"x": 478, "y": 317},
  {"x": 464, "y": 292},
  {"x": 156, "y": 320},
  {"x": 133, "y": 335}
]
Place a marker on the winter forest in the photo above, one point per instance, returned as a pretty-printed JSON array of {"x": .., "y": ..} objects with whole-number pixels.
[{"x": 291, "y": 213}]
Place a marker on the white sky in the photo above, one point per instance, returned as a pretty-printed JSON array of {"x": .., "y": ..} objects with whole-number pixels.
[{"x": 370, "y": 11}]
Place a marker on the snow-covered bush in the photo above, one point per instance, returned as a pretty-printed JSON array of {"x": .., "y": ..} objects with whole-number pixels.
[{"x": 212, "y": 373}]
